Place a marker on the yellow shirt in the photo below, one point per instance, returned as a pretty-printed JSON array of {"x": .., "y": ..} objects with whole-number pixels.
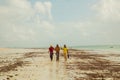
[{"x": 65, "y": 50}]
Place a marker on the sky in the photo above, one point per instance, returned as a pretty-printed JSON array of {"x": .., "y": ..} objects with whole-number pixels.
[{"x": 40, "y": 23}]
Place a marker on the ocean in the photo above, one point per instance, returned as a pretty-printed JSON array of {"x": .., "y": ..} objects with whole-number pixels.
[{"x": 98, "y": 47}]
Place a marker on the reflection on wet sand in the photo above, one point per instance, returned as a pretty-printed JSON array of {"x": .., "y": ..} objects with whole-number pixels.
[
  {"x": 57, "y": 68},
  {"x": 65, "y": 70},
  {"x": 57, "y": 71},
  {"x": 51, "y": 75},
  {"x": 54, "y": 71}
]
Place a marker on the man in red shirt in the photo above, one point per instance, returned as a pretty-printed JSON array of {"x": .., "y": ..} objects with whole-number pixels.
[{"x": 51, "y": 49}]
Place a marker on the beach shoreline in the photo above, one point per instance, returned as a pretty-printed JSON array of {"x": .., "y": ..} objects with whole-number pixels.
[{"x": 35, "y": 64}]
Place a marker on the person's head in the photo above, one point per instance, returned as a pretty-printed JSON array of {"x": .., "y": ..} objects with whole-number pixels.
[
  {"x": 50, "y": 45},
  {"x": 57, "y": 45},
  {"x": 64, "y": 46}
]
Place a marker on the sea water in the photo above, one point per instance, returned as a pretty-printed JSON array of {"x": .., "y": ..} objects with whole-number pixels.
[{"x": 98, "y": 47}]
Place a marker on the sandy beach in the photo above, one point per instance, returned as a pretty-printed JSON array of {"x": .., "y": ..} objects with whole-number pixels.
[{"x": 35, "y": 64}]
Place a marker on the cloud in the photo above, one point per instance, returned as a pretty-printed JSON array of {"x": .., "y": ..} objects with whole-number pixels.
[
  {"x": 44, "y": 8},
  {"x": 48, "y": 9},
  {"x": 39, "y": 6},
  {"x": 103, "y": 28},
  {"x": 23, "y": 23},
  {"x": 108, "y": 9},
  {"x": 20, "y": 4}
]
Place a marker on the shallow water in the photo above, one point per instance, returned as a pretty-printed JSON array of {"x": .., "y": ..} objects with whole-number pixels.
[{"x": 99, "y": 47}]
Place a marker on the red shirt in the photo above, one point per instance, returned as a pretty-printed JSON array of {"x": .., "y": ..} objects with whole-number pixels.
[{"x": 51, "y": 49}]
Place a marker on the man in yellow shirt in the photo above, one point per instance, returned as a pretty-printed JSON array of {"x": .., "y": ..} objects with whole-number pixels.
[{"x": 65, "y": 52}]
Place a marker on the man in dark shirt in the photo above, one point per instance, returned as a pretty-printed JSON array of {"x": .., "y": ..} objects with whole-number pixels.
[
  {"x": 51, "y": 49},
  {"x": 57, "y": 49}
]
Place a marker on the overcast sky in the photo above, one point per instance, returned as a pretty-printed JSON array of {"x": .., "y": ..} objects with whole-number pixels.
[{"x": 39, "y": 23}]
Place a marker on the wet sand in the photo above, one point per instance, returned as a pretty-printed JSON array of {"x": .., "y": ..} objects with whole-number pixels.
[{"x": 82, "y": 65}]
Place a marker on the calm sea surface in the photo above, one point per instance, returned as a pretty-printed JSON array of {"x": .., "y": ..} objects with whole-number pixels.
[{"x": 99, "y": 47}]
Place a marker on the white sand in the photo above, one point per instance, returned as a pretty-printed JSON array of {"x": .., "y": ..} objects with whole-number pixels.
[{"x": 41, "y": 68}]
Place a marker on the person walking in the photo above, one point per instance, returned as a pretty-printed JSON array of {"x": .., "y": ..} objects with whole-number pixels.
[
  {"x": 65, "y": 52},
  {"x": 57, "y": 49},
  {"x": 51, "y": 49}
]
